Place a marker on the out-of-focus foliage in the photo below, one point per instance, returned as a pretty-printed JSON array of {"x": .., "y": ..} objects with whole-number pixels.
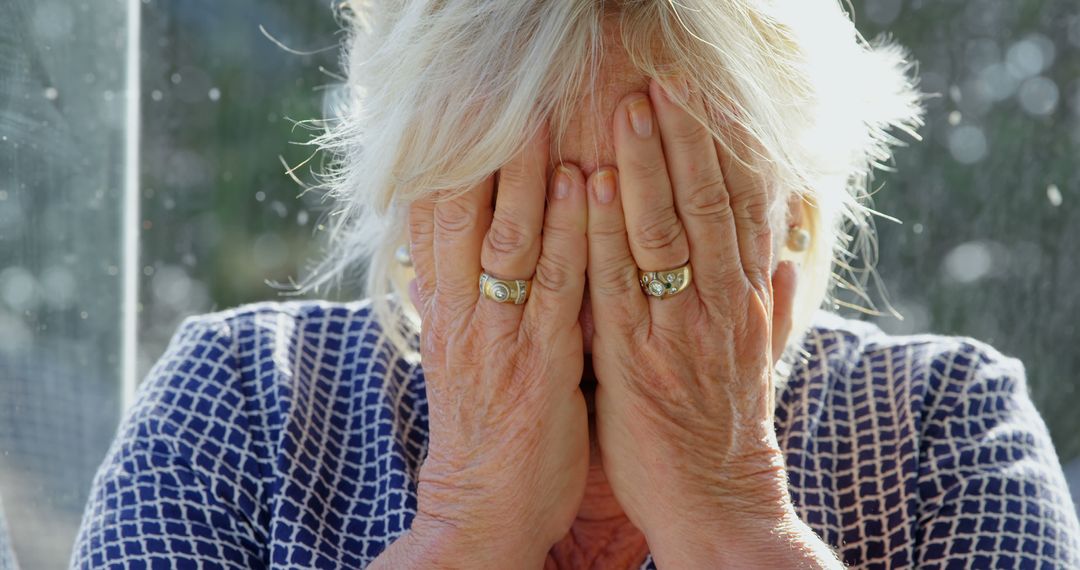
[{"x": 221, "y": 102}]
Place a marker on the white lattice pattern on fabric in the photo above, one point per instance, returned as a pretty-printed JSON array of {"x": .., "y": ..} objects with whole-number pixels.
[{"x": 290, "y": 435}]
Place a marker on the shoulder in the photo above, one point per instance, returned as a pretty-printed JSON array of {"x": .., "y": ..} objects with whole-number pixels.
[
  {"x": 904, "y": 391},
  {"x": 941, "y": 369},
  {"x": 959, "y": 406},
  {"x": 255, "y": 359},
  {"x": 247, "y": 413},
  {"x": 250, "y": 342},
  {"x": 938, "y": 428},
  {"x": 257, "y": 325},
  {"x": 232, "y": 385},
  {"x": 243, "y": 401}
]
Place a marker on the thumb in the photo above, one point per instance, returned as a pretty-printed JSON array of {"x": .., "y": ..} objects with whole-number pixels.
[{"x": 784, "y": 282}]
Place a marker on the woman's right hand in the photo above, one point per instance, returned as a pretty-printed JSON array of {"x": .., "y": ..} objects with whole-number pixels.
[{"x": 508, "y": 451}]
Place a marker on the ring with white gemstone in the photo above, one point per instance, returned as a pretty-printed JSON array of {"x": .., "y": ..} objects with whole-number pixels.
[
  {"x": 502, "y": 291},
  {"x": 664, "y": 284}
]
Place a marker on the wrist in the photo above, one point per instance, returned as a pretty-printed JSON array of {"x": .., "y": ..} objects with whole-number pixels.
[
  {"x": 750, "y": 497},
  {"x": 431, "y": 543},
  {"x": 782, "y": 541}
]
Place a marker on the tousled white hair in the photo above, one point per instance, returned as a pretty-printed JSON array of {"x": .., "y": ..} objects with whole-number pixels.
[{"x": 441, "y": 93}]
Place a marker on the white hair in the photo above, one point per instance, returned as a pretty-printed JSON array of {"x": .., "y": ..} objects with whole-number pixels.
[{"x": 441, "y": 93}]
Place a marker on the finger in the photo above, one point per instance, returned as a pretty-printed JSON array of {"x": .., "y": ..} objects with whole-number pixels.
[
  {"x": 612, "y": 271},
  {"x": 657, "y": 238},
  {"x": 559, "y": 282},
  {"x": 701, "y": 197},
  {"x": 750, "y": 200},
  {"x": 421, "y": 249},
  {"x": 512, "y": 244},
  {"x": 460, "y": 224},
  {"x": 784, "y": 285},
  {"x": 414, "y": 293}
]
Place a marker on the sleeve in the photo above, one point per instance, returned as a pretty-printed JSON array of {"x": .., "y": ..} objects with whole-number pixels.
[
  {"x": 176, "y": 488},
  {"x": 992, "y": 491}
]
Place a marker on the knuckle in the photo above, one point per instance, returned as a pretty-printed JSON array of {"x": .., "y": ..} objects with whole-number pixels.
[
  {"x": 553, "y": 272},
  {"x": 607, "y": 233},
  {"x": 513, "y": 174},
  {"x": 420, "y": 231},
  {"x": 420, "y": 224},
  {"x": 708, "y": 198},
  {"x": 754, "y": 210},
  {"x": 506, "y": 237},
  {"x": 454, "y": 217},
  {"x": 659, "y": 232},
  {"x": 525, "y": 171}
]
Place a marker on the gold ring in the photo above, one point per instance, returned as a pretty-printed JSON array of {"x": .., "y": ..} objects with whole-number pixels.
[
  {"x": 664, "y": 284},
  {"x": 502, "y": 291}
]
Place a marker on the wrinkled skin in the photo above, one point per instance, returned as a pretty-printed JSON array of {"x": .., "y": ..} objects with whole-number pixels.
[
  {"x": 508, "y": 450},
  {"x": 684, "y": 401},
  {"x": 682, "y": 435}
]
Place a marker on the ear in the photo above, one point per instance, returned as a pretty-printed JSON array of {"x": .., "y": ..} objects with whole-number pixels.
[{"x": 796, "y": 210}]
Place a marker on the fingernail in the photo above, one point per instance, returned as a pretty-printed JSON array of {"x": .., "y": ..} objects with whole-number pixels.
[
  {"x": 604, "y": 186},
  {"x": 562, "y": 183},
  {"x": 641, "y": 117}
]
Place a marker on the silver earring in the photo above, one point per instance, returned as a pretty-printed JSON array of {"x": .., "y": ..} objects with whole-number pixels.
[
  {"x": 798, "y": 239},
  {"x": 402, "y": 256}
]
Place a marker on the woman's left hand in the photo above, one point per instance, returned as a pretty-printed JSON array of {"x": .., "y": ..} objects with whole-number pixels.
[{"x": 684, "y": 402}]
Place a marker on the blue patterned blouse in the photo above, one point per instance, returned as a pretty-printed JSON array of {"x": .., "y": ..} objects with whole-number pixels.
[{"x": 289, "y": 435}]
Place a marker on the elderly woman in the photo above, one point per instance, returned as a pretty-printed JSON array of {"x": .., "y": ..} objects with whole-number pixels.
[{"x": 653, "y": 199}]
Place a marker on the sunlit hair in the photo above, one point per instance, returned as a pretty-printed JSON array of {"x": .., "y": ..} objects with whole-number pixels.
[{"x": 441, "y": 93}]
